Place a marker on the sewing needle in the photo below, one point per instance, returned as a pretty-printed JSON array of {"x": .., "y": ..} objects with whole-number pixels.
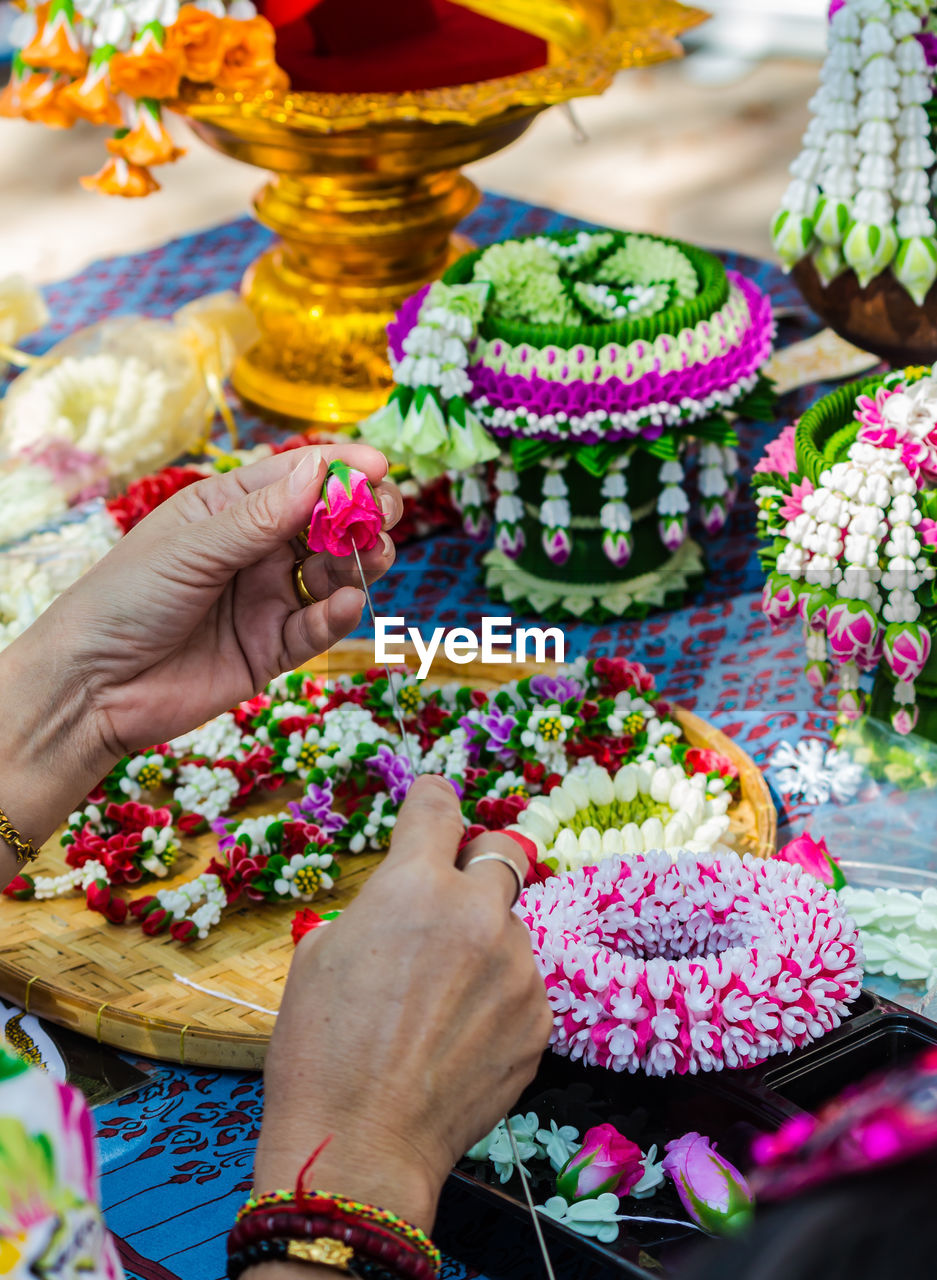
[
  {"x": 398, "y": 714},
  {"x": 535, "y": 1218}
]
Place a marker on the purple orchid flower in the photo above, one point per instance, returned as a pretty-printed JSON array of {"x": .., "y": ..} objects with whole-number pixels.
[
  {"x": 316, "y": 806},
  {"x": 393, "y": 770},
  {"x": 556, "y": 688},
  {"x": 497, "y": 724}
]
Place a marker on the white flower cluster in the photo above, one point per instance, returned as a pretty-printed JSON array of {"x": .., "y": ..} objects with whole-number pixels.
[
  {"x": 290, "y": 883},
  {"x": 862, "y": 513},
  {"x": 204, "y": 892},
  {"x": 687, "y": 817},
  {"x": 615, "y": 513},
  {"x": 673, "y": 506},
  {"x": 861, "y": 190},
  {"x": 718, "y": 468},
  {"x": 219, "y": 738},
  {"x": 508, "y": 509},
  {"x": 378, "y": 825},
  {"x": 436, "y": 350},
  {"x": 74, "y": 878},
  {"x": 205, "y": 790}
]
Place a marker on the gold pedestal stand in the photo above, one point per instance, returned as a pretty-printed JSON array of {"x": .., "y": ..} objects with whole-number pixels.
[{"x": 365, "y": 195}]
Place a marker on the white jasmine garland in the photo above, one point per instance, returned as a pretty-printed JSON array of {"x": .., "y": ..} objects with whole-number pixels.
[
  {"x": 205, "y": 790},
  {"x": 592, "y": 815}
]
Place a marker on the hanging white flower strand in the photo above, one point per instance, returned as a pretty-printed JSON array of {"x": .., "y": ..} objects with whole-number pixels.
[
  {"x": 718, "y": 466},
  {"x": 509, "y": 510},
  {"x": 673, "y": 506},
  {"x": 470, "y": 499},
  {"x": 861, "y": 189},
  {"x": 555, "y": 514},
  {"x": 615, "y": 514}
]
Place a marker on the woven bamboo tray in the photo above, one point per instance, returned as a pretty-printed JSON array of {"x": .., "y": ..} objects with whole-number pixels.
[{"x": 123, "y": 988}]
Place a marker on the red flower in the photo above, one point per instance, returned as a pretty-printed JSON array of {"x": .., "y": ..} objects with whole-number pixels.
[
  {"x": 155, "y": 921},
  {"x": 246, "y": 712},
  {"x": 304, "y": 922},
  {"x": 20, "y": 887},
  {"x": 500, "y": 811},
  {"x": 183, "y": 931},
  {"x": 618, "y": 674},
  {"x": 143, "y": 496},
  {"x": 702, "y": 760},
  {"x": 357, "y": 693},
  {"x": 533, "y": 772}
]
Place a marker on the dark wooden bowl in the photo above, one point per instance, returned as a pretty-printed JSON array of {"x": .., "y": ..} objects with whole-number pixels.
[{"x": 880, "y": 318}]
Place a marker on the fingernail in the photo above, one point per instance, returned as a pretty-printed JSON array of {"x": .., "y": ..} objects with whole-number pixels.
[
  {"x": 304, "y": 473},
  {"x": 387, "y": 505}
]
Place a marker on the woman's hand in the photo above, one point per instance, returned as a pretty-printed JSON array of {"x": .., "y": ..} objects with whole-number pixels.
[
  {"x": 409, "y": 1026},
  {"x": 193, "y": 611}
]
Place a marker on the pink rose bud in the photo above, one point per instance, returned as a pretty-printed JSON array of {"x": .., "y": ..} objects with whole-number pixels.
[
  {"x": 904, "y": 719},
  {"x": 779, "y": 600},
  {"x": 817, "y": 673},
  {"x": 816, "y": 608},
  {"x": 617, "y": 548},
  {"x": 907, "y": 648},
  {"x": 814, "y": 857},
  {"x": 673, "y": 531},
  {"x": 557, "y": 544},
  {"x": 851, "y": 628},
  {"x": 606, "y": 1161},
  {"x": 712, "y": 1190},
  {"x": 714, "y": 516},
  {"x": 510, "y": 540},
  {"x": 850, "y": 705},
  {"x": 347, "y": 515},
  {"x": 475, "y": 522}
]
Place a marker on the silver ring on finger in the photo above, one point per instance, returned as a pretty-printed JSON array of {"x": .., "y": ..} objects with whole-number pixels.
[{"x": 511, "y": 866}]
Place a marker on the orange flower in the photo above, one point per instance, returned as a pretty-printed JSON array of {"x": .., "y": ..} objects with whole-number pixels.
[
  {"x": 91, "y": 98},
  {"x": 42, "y": 101},
  {"x": 118, "y": 178},
  {"x": 148, "y": 142},
  {"x": 249, "y": 61},
  {"x": 199, "y": 37},
  {"x": 147, "y": 71},
  {"x": 55, "y": 45}
]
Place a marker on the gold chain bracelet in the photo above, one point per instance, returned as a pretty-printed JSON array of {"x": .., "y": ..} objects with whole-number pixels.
[{"x": 22, "y": 848}]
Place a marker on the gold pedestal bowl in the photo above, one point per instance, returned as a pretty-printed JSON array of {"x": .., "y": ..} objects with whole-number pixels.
[{"x": 364, "y": 197}]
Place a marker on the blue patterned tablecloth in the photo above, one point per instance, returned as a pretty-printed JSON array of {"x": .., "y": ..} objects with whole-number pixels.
[{"x": 177, "y": 1156}]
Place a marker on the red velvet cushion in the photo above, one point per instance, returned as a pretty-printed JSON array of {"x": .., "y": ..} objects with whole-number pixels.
[{"x": 449, "y": 45}]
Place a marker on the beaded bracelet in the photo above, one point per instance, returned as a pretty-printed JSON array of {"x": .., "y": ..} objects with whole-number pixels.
[
  {"x": 333, "y": 1242},
  {"x": 298, "y": 1251},
  {"x": 319, "y": 1200},
  {"x": 24, "y": 850}
]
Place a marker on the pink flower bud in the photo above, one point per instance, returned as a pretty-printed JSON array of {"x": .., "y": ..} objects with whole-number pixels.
[
  {"x": 673, "y": 532},
  {"x": 904, "y": 719},
  {"x": 851, "y": 628},
  {"x": 557, "y": 544},
  {"x": 818, "y": 674},
  {"x": 617, "y": 548},
  {"x": 713, "y": 1191},
  {"x": 907, "y": 648},
  {"x": 850, "y": 704},
  {"x": 347, "y": 515},
  {"x": 475, "y": 522},
  {"x": 779, "y": 600},
  {"x": 814, "y": 857},
  {"x": 713, "y": 516},
  {"x": 606, "y": 1161},
  {"x": 510, "y": 540}
]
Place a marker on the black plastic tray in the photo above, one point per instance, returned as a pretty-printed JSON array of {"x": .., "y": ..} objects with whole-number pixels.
[{"x": 487, "y": 1225}]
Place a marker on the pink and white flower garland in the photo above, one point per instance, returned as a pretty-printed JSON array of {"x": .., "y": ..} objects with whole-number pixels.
[{"x": 673, "y": 966}]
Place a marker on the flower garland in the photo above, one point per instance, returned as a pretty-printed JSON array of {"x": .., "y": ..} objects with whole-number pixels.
[
  {"x": 861, "y": 194},
  {"x": 331, "y": 749},
  {"x": 853, "y": 535},
  {"x": 117, "y": 64},
  {"x": 691, "y": 964}
]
